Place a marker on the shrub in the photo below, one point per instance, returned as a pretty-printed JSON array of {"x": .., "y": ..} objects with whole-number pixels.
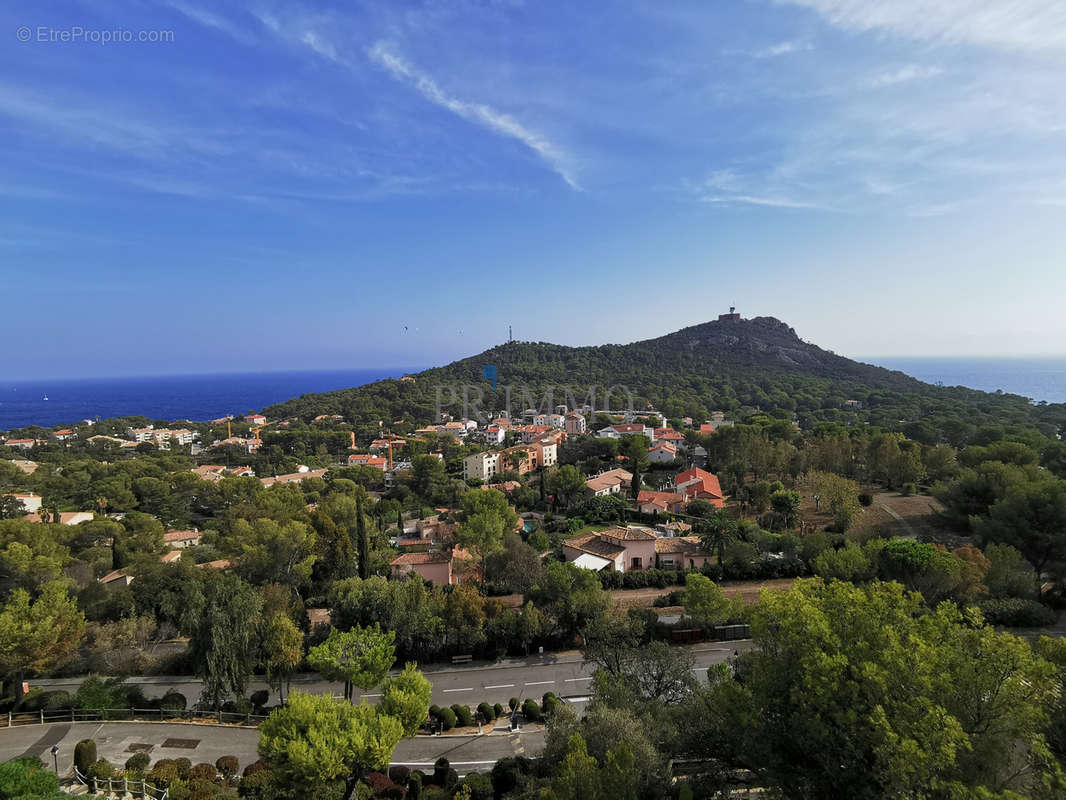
[
  {"x": 462, "y": 715},
  {"x": 138, "y": 763},
  {"x": 440, "y": 770},
  {"x": 183, "y": 765},
  {"x": 478, "y": 786},
  {"x": 1016, "y": 612},
  {"x": 227, "y": 766},
  {"x": 259, "y": 698},
  {"x": 400, "y": 774},
  {"x": 102, "y": 769},
  {"x": 173, "y": 701},
  {"x": 497, "y": 709},
  {"x": 674, "y": 598},
  {"x": 866, "y": 499},
  {"x": 414, "y": 786},
  {"x": 434, "y": 712},
  {"x": 512, "y": 703},
  {"x": 59, "y": 699},
  {"x": 549, "y": 703},
  {"x": 530, "y": 710},
  {"x": 908, "y": 489},
  {"x": 27, "y": 777},
  {"x": 485, "y": 712},
  {"x": 447, "y": 719},
  {"x": 506, "y": 773},
  {"x": 254, "y": 767},
  {"x": 203, "y": 772},
  {"x": 84, "y": 755},
  {"x": 165, "y": 770}
]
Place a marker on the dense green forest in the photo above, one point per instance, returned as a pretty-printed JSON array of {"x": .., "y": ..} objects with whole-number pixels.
[{"x": 734, "y": 367}]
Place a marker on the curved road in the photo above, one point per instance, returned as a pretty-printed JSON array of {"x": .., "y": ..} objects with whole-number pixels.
[{"x": 564, "y": 673}]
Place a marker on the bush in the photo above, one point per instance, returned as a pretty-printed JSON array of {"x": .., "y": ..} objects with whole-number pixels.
[
  {"x": 27, "y": 777},
  {"x": 674, "y": 598},
  {"x": 165, "y": 770},
  {"x": 57, "y": 700},
  {"x": 259, "y": 698},
  {"x": 102, "y": 769},
  {"x": 400, "y": 774},
  {"x": 478, "y": 786},
  {"x": 84, "y": 755},
  {"x": 549, "y": 703},
  {"x": 183, "y": 765},
  {"x": 485, "y": 712},
  {"x": 908, "y": 489},
  {"x": 227, "y": 766},
  {"x": 506, "y": 773},
  {"x": 434, "y": 712},
  {"x": 530, "y": 710},
  {"x": 447, "y": 719},
  {"x": 440, "y": 770},
  {"x": 462, "y": 715},
  {"x": 414, "y": 786},
  {"x": 866, "y": 499},
  {"x": 203, "y": 772},
  {"x": 173, "y": 701},
  {"x": 138, "y": 763},
  {"x": 254, "y": 767},
  {"x": 1016, "y": 612},
  {"x": 497, "y": 709},
  {"x": 512, "y": 703}
]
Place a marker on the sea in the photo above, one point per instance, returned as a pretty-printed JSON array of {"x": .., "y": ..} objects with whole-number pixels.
[
  {"x": 1035, "y": 378},
  {"x": 203, "y": 397},
  {"x": 193, "y": 397}
]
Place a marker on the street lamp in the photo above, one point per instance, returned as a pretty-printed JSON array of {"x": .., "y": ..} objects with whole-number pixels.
[{"x": 55, "y": 757}]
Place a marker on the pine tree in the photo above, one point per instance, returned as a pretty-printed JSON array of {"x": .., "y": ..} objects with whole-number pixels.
[{"x": 362, "y": 540}]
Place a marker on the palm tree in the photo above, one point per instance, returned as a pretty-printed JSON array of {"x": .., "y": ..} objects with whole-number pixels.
[{"x": 717, "y": 531}]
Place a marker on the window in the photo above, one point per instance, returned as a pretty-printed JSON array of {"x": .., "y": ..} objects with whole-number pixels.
[{"x": 636, "y": 563}]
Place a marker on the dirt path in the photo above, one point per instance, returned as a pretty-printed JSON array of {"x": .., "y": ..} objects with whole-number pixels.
[{"x": 748, "y": 591}]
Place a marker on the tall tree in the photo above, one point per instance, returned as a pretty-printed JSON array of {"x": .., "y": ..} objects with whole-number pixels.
[
  {"x": 362, "y": 540},
  {"x": 314, "y": 741},
  {"x": 282, "y": 645},
  {"x": 407, "y": 697},
  {"x": 222, "y": 647},
  {"x": 359, "y": 657},
  {"x": 38, "y": 635}
]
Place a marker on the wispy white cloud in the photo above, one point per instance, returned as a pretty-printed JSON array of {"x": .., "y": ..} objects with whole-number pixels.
[
  {"x": 905, "y": 74},
  {"x": 1011, "y": 24},
  {"x": 479, "y": 113},
  {"x": 781, "y": 49},
  {"x": 209, "y": 19}
]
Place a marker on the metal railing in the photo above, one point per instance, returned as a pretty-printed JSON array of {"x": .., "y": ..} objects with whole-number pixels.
[
  {"x": 14, "y": 719},
  {"x": 121, "y": 787}
]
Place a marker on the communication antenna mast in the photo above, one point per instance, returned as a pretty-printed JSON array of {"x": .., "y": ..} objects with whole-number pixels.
[{"x": 510, "y": 335}]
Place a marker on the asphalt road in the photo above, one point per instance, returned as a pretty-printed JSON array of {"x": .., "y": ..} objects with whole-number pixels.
[
  {"x": 117, "y": 741},
  {"x": 562, "y": 673}
]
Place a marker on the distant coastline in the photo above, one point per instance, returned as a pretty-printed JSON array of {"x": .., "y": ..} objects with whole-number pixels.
[
  {"x": 1035, "y": 378},
  {"x": 194, "y": 397},
  {"x": 201, "y": 397}
]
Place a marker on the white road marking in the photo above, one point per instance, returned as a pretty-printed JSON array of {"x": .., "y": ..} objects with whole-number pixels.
[
  {"x": 539, "y": 683},
  {"x": 371, "y": 695},
  {"x": 470, "y": 689},
  {"x": 501, "y": 686},
  {"x": 571, "y": 680}
]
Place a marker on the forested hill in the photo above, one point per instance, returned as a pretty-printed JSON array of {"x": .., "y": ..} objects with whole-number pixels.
[{"x": 738, "y": 366}]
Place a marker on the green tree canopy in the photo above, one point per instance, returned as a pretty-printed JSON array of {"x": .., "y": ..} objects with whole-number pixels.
[{"x": 360, "y": 657}]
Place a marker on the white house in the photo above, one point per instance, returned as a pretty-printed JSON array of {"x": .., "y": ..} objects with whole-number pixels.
[
  {"x": 481, "y": 466},
  {"x": 662, "y": 453},
  {"x": 30, "y": 502}
]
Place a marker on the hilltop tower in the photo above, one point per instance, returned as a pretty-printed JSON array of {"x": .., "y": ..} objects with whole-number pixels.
[{"x": 732, "y": 316}]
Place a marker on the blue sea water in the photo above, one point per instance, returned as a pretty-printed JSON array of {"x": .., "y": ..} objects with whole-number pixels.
[
  {"x": 201, "y": 397},
  {"x": 1035, "y": 378},
  {"x": 195, "y": 397}
]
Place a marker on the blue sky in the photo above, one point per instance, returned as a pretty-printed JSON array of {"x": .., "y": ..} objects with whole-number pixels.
[{"x": 287, "y": 185}]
